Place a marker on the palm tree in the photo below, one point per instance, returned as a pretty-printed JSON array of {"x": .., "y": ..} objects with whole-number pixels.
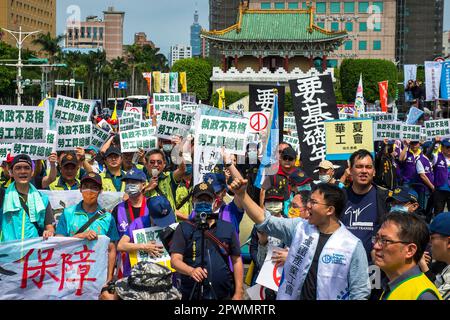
[{"x": 50, "y": 45}]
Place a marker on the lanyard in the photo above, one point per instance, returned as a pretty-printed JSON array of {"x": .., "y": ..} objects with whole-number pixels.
[{"x": 142, "y": 210}]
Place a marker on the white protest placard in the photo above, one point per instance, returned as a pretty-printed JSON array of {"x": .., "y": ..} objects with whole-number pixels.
[
  {"x": 423, "y": 134},
  {"x": 218, "y": 132},
  {"x": 270, "y": 274},
  {"x": 191, "y": 108},
  {"x": 145, "y": 124},
  {"x": 256, "y": 292},
  {"x": 410, "y": 132},
  {"x": 289, "y": 124},
  {"x": 105, "y": 125},
  {"x": 437, "y": 128},
  {"x": 24, "y": 124},
  {"x": 50, "y": 137},
  {"x": 72, "y": 110},
  {"x": 36, "y": 151},
  {"x": 128, "y": 107},
  {"x": 389, "y": 130},
  {"x": 145, "y": 236},
  {"x": 126, "y": 123},
  {"x": 58, "y": 268},
  {"x": 173, "y": 122},
  {"x": 5, "y": 148},
  {"x": 133, "y": 140},
  {"x": 205, "y": 159},
  {"x": 136, "y": 115},
  {"x": 257, "y": 121},
  {"x": 72, "y": 135},
  {"x": 378, "y": 116},
  {"x": 99, "y": 136},
  {"x": 293, "y": 141},
  {"x": 167, "y": 100}
]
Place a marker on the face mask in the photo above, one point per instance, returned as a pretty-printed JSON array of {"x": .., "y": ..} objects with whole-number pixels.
[
  {"x": 324, "y": 178},
  {"x": 167, "y": 147},
  {"x": 88, "y": 156},
  {"x": 132, "y": 189},
  {"x": 274, "y": 207},
  {"x": 189, "y": 169},
  {"x": 399, "y": 208},
  {"x": 203, "y": 206},
  {"x": 89, "y": 196}
]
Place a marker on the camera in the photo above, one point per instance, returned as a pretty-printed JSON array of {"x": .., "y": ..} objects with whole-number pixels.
[{"x": 202, "y": 219}]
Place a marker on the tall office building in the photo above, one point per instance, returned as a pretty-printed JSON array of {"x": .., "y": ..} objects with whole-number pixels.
[
  {"x": 196, "y": 43},
  {"x": 446, "y": 43},
  {"x": 94, "y": 33},
  {"x": 31, "y": 15},
  {"x": 370, "y": 25},
  {"x": 419, "y": 30},
  {"x": 179, "y": 52}
]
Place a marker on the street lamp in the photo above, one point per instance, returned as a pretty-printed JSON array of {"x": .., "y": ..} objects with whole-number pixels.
[{"x": 19, "y": 64}]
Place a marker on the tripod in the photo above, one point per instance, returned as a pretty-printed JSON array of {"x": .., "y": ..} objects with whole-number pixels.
[{"x": 199, "y": 287}]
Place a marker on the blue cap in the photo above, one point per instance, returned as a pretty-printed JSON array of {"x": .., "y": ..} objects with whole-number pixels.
[
  {"x": 93, "y": 148},
  {"x": 161, "y": 211},
  {"x": 446, "y": 142},
  {"x": 404, "y": 194},
  {"x": 441, "y": 224},
  {"x": 427, "y": 144},
  {"x": 217, "y": 180},
  {"x": 135, "y": 174}
]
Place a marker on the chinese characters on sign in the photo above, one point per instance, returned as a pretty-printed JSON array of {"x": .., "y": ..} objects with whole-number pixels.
[
  {"x": 99, "y": 136},
  {"x": 36, "y": 151},
  {"x": 173, "y": 122},
  {"x": 72, "y": 110},
  {"x": 126, "y": 123},
  {"x": 437, "y": 128},
  {"x": 72, "y": 135},
  {"x": 314, "y": 102},
  {"x": 24, "y": 124},
  {"x": 410, "y": 132},
  {"x": 145, "y": 236},
  {"x": 132, "y": 140},
  {"x": 167, "y": 100},
  {"x": 389, "y": 130}
]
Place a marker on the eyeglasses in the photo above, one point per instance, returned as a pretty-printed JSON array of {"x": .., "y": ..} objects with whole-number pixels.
[
  {"x": 287, "y": 158},
  {"x": 314, "y": 202},
  {"x": 156, "y": 161},
  {"x": 384, "y": 242}
]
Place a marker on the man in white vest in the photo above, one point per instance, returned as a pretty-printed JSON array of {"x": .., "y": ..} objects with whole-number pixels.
[{"x": 325, "y": 260}]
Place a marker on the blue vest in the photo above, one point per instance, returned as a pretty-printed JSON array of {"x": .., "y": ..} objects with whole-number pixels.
[{"x": 441, "y": 172}]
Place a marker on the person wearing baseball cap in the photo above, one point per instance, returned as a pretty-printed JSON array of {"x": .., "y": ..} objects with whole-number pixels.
[
  {"x": 403, "y": 199},
  {"x": 441, "y": 166},
  {"x": 26, "y": 213},
  {"x": 326, "y": 173},
  {"x": 87, "y": 219},
  {"x": 112, "y": 176},
  {"x": 69, "y": 170},
  {"x": 186, "y": 252},
  {"x": 440, "y": 248}
]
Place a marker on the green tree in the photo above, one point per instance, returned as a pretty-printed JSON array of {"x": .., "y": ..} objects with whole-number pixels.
[
  {"x": 373, "y": 71},
  {"x": 198, "y": 72}
]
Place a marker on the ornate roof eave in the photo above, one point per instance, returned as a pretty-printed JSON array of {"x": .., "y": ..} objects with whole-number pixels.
[{"x": 338, "y": 37}]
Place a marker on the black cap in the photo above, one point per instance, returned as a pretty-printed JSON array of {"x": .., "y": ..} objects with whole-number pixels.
[
  {"x": 69, "y": 158},
  {"x": 112, "y": 150},
  {"x": 289, "y": 151},
  {"x": 203, "y": 188},
  {"x": 21, "y": 158},
  {"x": 92, "y": 176}
]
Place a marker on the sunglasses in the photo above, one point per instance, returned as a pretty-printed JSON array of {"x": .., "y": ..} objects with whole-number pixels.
[
  {"x": 287, "y": 158},
  {"x": 156, "y": 161}
]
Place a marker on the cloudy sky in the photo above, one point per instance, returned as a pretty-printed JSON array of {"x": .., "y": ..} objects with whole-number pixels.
[{"x": 166, "y": 22}]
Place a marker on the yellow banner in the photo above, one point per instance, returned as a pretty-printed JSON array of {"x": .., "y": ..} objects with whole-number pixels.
[
  {"x": 343, "y": 137},
  {"x": 183, "y": 82},
  {"x": 221, "y": 92},
  {"x": 157, "y": 81},
  {"x": 165, "y": 82},
  {"x": 134, "y": 260}
]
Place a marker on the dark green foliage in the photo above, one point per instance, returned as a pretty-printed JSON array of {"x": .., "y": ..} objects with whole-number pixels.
[{"x": 198, "y": 72}]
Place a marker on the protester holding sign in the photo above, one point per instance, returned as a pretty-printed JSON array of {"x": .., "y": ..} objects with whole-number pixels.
[
  {"x": 26, "y": 213},
  {"x": 325, "y": 261},
  {"x": 112, "y": 177},
  {"x": 87, "y": 220}
]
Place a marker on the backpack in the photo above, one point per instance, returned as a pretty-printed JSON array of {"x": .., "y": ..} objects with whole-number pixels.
[{"x": 386, "y": 175}]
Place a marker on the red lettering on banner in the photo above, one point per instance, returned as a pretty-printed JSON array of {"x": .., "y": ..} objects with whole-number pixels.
[
  {"x": 44, "y": 256},
  {"x": 276, "y": 278}
]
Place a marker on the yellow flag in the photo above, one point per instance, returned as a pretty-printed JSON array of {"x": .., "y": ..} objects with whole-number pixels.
[
  {"x": 114, "y": 114},
  {"x": 183, "y": 82},
  {"x": 41, "y": 104},
  {"x": 79, "y": 95},
  {"x": 157, "y": 81},
  {"x": 221, "y": 92}
]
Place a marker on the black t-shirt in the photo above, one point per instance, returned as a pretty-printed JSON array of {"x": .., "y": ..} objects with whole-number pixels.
[{"x": 309, "y": 289}]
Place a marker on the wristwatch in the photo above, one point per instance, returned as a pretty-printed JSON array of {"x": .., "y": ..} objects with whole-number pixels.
[{"x": 227, "y": 165}]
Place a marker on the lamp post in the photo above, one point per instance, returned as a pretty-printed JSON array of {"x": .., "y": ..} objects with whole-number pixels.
[{"x": 19, "y": 64}]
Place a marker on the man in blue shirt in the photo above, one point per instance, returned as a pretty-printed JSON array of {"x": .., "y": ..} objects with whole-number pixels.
[{"x": 75, "y": 217}]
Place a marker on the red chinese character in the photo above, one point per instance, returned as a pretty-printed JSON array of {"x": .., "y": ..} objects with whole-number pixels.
[
  {"x": 83, "y": 267},
  {"x": 44, "y": 256}
]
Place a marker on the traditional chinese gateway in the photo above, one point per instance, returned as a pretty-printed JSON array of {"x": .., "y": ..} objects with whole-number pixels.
[{"x": 271, "y": 46}]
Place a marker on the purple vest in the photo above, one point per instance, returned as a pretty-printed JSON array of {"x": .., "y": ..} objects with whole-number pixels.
[
  {"x": 408, "y": 167},
  {"x": 441, "y": 173},
  {"x": 421, "y": 187},
  {"x": 123, "y": 224}
]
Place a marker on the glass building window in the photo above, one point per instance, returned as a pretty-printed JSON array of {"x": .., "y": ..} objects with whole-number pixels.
[
  {"x": 332, "y": 63},
  {"x": 363, "y": 6},
  {"x": 348, "y": 45},
  {"x": 265, "y": 5},
  {"x": 349, "y": 26},
  {"x": 293, "y": 5},
  {"x": 376, "y": 44},
  {"x": 304, "y": 5},
  {"x": 321, "y": 7},
  {"x": 363, "y": 26},
  {"x": 279, "y": 5},
  {"x": 377, "y": 26},
  {"x": 321, "y": 24},
  {"x": 349, "y": 7},
  {"x": 335, "y": 7},
  {"x": 88, "y": 32},
  {"x": 82, "y": 32},
  {"x": 362, "y": 45},
  {"x": 334, "y": 26},
  {"x": 379, "y": 4}
]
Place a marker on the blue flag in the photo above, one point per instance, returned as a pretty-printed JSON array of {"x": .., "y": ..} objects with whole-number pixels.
[
  {"x": 270, "y": 150},
  {"x": 413, "y": 115}
]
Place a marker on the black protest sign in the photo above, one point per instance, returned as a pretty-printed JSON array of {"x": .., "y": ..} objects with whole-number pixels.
[
  {"x": 261, "y": 99},
  {"x": 314, "y": 102}
]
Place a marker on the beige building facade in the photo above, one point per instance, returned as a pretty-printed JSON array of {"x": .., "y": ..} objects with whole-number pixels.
[
  {"x": 32, "y": 15},
  {"x": 370, "y": 25}
]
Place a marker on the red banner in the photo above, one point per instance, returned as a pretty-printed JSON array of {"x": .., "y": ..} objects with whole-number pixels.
[{"x": 383, "y": 87}]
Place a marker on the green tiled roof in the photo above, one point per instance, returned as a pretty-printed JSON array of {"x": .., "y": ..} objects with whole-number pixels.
[{"x": 274, "y": 25}]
